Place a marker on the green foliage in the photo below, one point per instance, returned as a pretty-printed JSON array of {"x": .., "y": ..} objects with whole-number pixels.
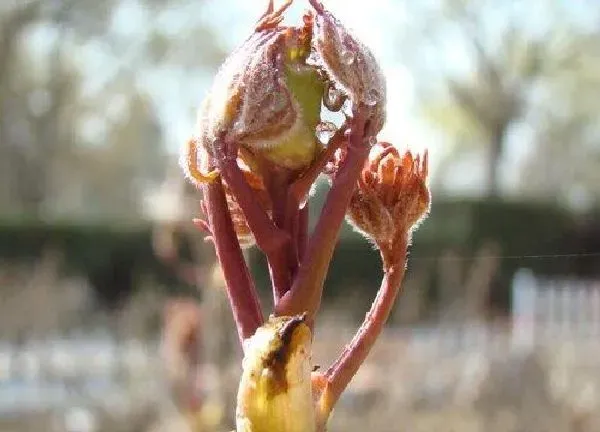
[
  {"x": 115, "y": 257},
  {"x": 497, "y": 71},
  {"x": 519, "y": 229}
]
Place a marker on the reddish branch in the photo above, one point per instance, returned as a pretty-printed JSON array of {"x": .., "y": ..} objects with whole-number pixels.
[
  {"x": 341, "y": 372},
  {"x": 305, "y": 294},
  {"x": 272, "y": 240},
  {"x": 241, "y": 291}
]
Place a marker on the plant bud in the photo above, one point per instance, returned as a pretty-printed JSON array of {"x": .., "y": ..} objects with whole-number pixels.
[
  {"x": 391, "y": 197},
  {"x": 266, "y": 98},
  {"x": 351, "y": 66},
  {"x": 275, "y": 392}
]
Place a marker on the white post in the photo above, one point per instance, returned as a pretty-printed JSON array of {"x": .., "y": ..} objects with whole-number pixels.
[
  {"x": 566, "y": 300},
  {"x": 595, "y": 312},
  {"x": 554, "y": 309},
  {"x": 524, "y": 290}
]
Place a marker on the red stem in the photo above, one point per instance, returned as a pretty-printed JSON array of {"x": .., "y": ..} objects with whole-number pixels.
[
  {"x": 280, "y": 264},
  {"x": 296, "y": 193},
  {"x": 291, "y": 226},
  {"x": 279, "y": 270},
  {"x": 268, "y": 236},
  {"x": 302, "y": 233},
  {"x": 305, "y": 294},
  {"x": 341, "y": 372},
  {"x": 301, "y": 187},
  {"x": 271, "y": 239},
  {"x": 240, "y": 286}
]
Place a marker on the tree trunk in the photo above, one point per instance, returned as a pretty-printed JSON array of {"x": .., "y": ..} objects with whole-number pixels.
[{"x": 494, "y": 157}]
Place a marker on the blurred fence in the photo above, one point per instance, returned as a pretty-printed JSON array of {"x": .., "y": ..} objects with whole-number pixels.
[
  {"x": 545, "y": 313},
  {"x": 547, "y": 310},
  {"x": 436, "y": 365},
  {"x": 55, "y": 374}
]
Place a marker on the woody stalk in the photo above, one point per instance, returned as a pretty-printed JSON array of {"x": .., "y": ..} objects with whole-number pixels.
[{"x": 260, "y": 143}]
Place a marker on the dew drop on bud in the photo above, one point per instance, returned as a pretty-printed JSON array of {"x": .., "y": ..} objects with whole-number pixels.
[
  {"x": 303, "y": 201},
  {"x": 348, "y": 108},
  {"x": 348, "y": 57},
  {"x": 334, "y": 93},
  {"x": 372, "y": 97},
  {"x": 313, "y": 59},
  {"x": 334, "y": 98},
  {"x": 324, "y": 131}
]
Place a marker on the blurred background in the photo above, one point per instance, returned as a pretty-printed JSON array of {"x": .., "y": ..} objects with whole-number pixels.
[{"x": 112, "y": 312}]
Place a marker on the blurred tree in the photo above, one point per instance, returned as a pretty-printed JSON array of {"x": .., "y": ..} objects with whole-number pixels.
[
  {"x": 81, "y": 135},
  {"x": 565, "y": 161},
  {"x": 128, "y": 159},
  {"x": 13, "y": 22},
  {"x": 501, "y": 65}
]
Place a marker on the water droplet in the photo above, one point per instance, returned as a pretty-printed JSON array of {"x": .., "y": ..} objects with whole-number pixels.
[
  {"x": 372, "y": 97},
  {"x": 303, "y": 201},
  {"x": 348, "y": 108},
  {"x": 334, "y": 98},
  {"x": 324, "y": 131},
  {"x": 333, "y": 92},
  {"x": 313, "y": 59},
  {"x": 348, "y": 57},
  {"x": 372, "y": 140}
]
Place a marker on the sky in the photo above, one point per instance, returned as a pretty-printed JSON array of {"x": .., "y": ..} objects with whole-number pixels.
[
  {"x": 176, "y": 91},
  {"x": 383, "y": 26}
]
